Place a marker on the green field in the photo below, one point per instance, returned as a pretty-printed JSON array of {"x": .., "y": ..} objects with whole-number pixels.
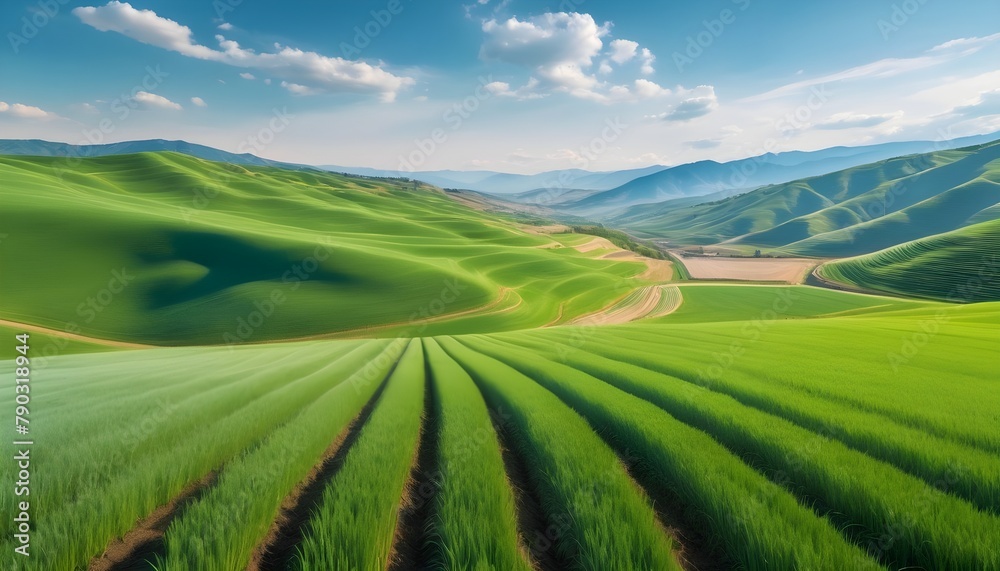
[
  {"x": 424, "y": 400},
  {"x": 773, "y": 460},
  {"x": 959, "y": 266}
]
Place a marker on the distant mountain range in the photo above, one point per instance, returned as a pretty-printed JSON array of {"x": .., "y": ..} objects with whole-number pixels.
[
  {"x": 845, "y": 213},
  {"x": 508, "y": 184},
  {"x": 571, "y": 192},
  {"x": 710, "y": 177}
]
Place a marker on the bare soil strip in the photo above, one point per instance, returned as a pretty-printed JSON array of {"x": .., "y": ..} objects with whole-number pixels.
[
  {"x": 596, "y": 244},
  {"x": 789, "y": 270},
  {"x": 647, "y": 304},
  {"x": 144, "y": 542},
  {"x": 72, "y": 336},
  {"x": 411, "y": 548},
  {"x": 279, "y": 546}
]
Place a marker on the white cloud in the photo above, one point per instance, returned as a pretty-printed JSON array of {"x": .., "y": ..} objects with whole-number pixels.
[
  {"x": 888, "y": 67},
  {"x": 622, "y": 50},
  {"x": 544, "y": 41},
  {"x": 225, "y": 26},
  {"x": 267, "y": 81},
  {"x": 25, "y": 111},
  {"x": 154, "y": 101},
  {"x": 298, "y": 89},
  {"x": 699, "y": 102},
  {"x": 316, "y": 72},
  {"x": 647, "y": 62},
  {"x": 199, "y": 102},
  {"x": 973, "y": 43},
  {"x": 247, "y": 75},
  {"x": 560, "y": 49},
  {"x": 988, "y": 103},
  {"x": 856, "y": 120}
]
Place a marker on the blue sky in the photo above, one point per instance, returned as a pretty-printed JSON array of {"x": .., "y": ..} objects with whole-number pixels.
[{"x": 502, "y": 85}]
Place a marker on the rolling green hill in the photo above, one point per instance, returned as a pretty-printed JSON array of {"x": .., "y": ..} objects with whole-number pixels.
[
  {"x": 961, "y": 266},
  {"x": 164, "y": 248},
  {"x": 851, "y": 212}
]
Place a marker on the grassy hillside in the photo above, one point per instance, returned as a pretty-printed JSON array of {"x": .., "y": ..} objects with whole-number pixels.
[
  {"x": 164, "y": 248},
  {"x": 851, "y": 212},
  {"x": 960, "y": 266}
]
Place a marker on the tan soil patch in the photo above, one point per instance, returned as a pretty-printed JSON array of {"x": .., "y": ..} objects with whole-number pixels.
[
  {"x": 789, "y": 270},
  {"x": 57, "y": 333},
  {"x": 646, "y": 305},
  {"x": 596, "y": 244}
]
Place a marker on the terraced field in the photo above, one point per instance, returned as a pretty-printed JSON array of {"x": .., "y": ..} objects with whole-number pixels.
[
  {"x": 960, "y": 266},
  {"x": 631, "y": 447}
]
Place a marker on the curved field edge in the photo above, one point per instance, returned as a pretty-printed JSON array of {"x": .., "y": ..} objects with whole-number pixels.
[{"x": 960, "y": 267}]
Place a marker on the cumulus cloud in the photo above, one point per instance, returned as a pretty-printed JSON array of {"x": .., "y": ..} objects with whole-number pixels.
[
  {"x": 622, "y": 50},
  {"x": 647, "y": 62},
  {"x": 225, "y": 26},
  {"x": 560, "y": 49},
  {"x": 247, "y": 75},
  {"x": 699, "y": 102},
  {"x": 154, "y": 101},
  {"x": 856, "y": 120},
  {"x": 25, "y": 111},
  {"x": 199, "y": 102},
  {"x": 316, "y": 72}
]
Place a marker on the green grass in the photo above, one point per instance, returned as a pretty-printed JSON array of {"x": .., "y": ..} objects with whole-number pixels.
[
  {"x": 46, "y": 346},
  {"x": 722, "y": 493},
  {"x": 960, "y": 266},
  {"x": 596, "y": 516},
  {"x": 768, "y": 426},
  {"x": 171, "y": 250},
  {"x": 475, "y": 521},
  {"x": 861, "y": 494},
  {"x": 850, "y": 426},
  {"x": 354, "y": 524},
  {"x": 252, "y": 487}
]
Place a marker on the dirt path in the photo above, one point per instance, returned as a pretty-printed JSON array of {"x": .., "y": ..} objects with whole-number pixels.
[
  {"x": 650, "y": 301},
  {"x": 656, "y": 270},
  {"x": 72, "y": 336},
  {"x": 279, "y": 547},
  {"x": 146, "y": 538}
]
